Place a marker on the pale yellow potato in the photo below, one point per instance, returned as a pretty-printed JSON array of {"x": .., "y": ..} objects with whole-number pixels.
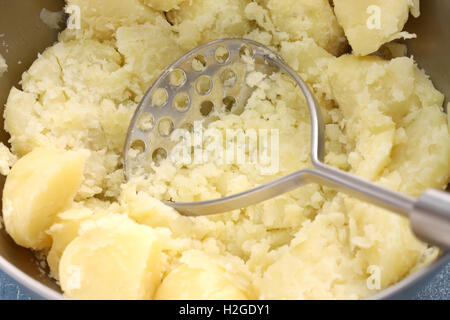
[
  {"x": 67, "y": 226},
  {"x": 294, "y": 20},
  {"x": 112, "y": 258},
  {"x": 100, "y": 19},
  {"x": 7, "y": 159},
  {"x": 395, "y": 254},
  {"x": 360, "y": 18},
  {"x": 200, "y": 21},
  {"x": 204, "y": 277},
  {"x": 187, "y": 283},
  {"x": 148, "y": 49},
  {"x": 311, "y": 62},
  {"x": 86, "y": 77},
  {"x": 388, "y": 103},
  {"x": 39, "y": 186},
  {"x": 150, "y": 211},
  {"x": 315, "y": 18},
  {"x": 315, "y": 261},
  {"x": 163, "y": 5},
  {"x": 62, "y": 232}
]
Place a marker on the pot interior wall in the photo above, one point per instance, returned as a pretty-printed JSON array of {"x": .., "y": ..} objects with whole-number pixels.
[
  {"x": 431, "y": 48},
  {"x": 25, "y": 35}
]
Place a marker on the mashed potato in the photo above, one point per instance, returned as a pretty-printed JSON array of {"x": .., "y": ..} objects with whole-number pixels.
[
  {"x": 370, "y": 23},
  {"x": 383, "y": 119},
  {"x": 7, "y": 159}
]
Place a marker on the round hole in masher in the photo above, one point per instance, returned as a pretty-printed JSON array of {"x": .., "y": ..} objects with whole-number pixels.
[
  {"x": 165, "y": 127},
  {"x": 222, "y": 55},
  {"x": 229, "y": 103},
  {"x": 246, "y": 51},
  {"x": 137, "y": 148},
  {"x": 159, "y": 155},
  {"x": 203, "y": 85},
  {"x": 181, "y": 102},
  {"x": 146, "y": 122},
  {"x": 206, "y": 108},
  {"x": 199, "y": 63},
  {"x": 177, "y": 78},
  {"x": 228, "y": 77},
  {"x": 159, "y": 97}
]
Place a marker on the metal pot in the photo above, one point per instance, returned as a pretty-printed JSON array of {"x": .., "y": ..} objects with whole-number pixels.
[{"x": 25, "y": 35}]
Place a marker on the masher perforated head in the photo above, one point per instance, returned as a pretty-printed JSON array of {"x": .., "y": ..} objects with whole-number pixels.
[
  {"x": 207, "y": 80},
  {"x": 212, "y": 78}
]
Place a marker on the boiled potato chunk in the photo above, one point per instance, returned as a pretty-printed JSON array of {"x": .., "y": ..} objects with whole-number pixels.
[
  {"x": 368, "y": 24},
  {"x": 147, "y": 50},
  {"x": 39, "y": 186},
  {"x": 112, "y": 258},
  {"x": 7, "y": 159},
  {"x": 163, "y": 5},
  {"x": 394, "y": 253},
  {"x": 63, "y": 232},
  {"x": 195, "y": 283},
  {"x": 316, "y": 18},
  {"x": 395, "y": 118},
  {"x": 204, "y": 20},
  {"x": 101, "y": 18}
]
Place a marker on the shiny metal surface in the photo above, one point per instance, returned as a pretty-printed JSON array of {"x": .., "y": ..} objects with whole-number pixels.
[
  {"x": 430, "y": 214},
  {"x": 151, "y": 138},
  {"x": 430, "y": 218},
  {"x": 26, "y": 35}
]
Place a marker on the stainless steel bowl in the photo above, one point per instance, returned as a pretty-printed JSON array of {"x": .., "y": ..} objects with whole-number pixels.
[{"x": 25, "y": 35}]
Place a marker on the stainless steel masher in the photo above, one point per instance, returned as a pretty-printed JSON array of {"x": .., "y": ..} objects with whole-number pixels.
[{"x": 183, "y": 94}]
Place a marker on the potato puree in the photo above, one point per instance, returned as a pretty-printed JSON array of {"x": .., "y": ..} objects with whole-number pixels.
[{"x": 103, "y": 238}]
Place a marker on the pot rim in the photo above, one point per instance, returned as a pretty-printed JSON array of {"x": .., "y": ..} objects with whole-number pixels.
[
  {"x": 42, "y": 291},
  {"x": 414, "y": 279}
]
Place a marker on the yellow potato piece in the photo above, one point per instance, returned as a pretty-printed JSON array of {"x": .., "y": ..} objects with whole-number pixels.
[
  {"x": 163, "y": 5},
  {"x": 7, "y": 159},
  {"x": 194, "y": 283},
  {"x": 147, "y": 50},
  {"x": 112, "y": 258},
  {"x": 40, "y": 185},
  {"x": 204, "y": 20},
  {"x": 101, "y": 18},
  {"x": 316, "y": 18},
  {"x": 68, "y": 223},
  {"x": 64, "y": 231},
  {"x": 368, "y": 24}
]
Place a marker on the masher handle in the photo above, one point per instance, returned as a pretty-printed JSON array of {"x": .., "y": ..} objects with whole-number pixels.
[
  {"x": 430, "y": 218},
  {"x": 429, "y": 215}
]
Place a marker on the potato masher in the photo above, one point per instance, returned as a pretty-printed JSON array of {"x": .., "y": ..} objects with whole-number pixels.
[{"x": 168, "y": 105}]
